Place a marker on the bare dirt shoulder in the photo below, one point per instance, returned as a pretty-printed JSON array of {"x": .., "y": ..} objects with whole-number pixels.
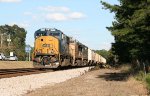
[
  {"x": 15, "y": 64},
  {"x": 103, "y": 82}
]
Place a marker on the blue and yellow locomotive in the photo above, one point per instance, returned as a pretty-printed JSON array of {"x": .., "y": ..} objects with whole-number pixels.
[{"x": 51, "y": 48}]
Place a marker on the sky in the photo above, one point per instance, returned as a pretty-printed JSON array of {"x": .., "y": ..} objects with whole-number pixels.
[{"x": 85, "y": 20}]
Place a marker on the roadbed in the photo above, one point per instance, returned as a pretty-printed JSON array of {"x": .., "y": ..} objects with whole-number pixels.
[{"x": 103, "y": 82}]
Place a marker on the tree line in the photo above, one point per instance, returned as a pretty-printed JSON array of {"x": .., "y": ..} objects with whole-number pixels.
[
  {"x": 12, "y": 39},
  {"x": 131, "y": 30}
]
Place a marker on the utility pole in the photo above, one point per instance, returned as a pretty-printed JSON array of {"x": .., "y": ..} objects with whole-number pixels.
[
  {"x": 28, "y": 50},
  {"x": 9, "y": 40},
  {"x": 29, "y": 55},
  {"x": 1, "y": 40}
]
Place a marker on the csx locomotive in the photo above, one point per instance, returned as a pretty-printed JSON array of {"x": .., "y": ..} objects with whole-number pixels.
[{"x": 52, "y": 49}]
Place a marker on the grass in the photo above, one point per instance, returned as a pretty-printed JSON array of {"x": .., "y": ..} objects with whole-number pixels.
[
  {"x": 147, "y": 80},
  {"x": 138, "y": 75},
  {"x": 141, "y": 76}
]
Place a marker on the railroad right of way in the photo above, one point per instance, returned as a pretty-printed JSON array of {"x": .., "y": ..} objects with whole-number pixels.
[
  {"x": 103, "y": 82},
  {"x": 17, "y": 86}
]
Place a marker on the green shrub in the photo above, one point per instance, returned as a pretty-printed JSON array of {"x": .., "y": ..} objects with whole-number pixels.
[
  {"x": 147, "y": 80},
  {"x": 140, "y": 76}
]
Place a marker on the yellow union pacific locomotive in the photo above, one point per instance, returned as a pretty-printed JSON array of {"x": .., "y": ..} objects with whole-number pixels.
[{"x": 51, "y": 48}]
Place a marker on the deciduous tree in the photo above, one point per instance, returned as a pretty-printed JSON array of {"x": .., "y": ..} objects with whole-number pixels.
[{"x": 17, "y": 44}]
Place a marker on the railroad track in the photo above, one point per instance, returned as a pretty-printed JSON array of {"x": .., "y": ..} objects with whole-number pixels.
[{"x": 7, "y": 73}]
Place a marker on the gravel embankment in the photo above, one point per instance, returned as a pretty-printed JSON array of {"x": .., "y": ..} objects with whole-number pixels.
[{"x": 20, "y": 85}]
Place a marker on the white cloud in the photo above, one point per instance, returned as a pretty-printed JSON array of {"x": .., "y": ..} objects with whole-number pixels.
[
  {"x": 76, "y": 15},
  {"x": 55, "y": 13},
  {"x": 10, "y": 1},
  {"x": 56, "y": 17},
  {"x": 54, "y": 9},
  {"x": 60, "y": 13},
  {"x": 63, "y": 16}
]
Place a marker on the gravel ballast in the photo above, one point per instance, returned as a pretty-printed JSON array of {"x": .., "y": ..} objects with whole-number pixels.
[{"x": 20, "y": 85}]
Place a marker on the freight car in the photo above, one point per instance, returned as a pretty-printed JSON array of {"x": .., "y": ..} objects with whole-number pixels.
[
  {"x": 91, "y": 57},
  {"x": 78, "y": 52},
  {"x": 52, "y": 49}
]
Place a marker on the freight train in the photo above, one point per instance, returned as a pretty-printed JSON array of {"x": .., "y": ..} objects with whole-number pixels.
[{"x": 53, "y": 49}]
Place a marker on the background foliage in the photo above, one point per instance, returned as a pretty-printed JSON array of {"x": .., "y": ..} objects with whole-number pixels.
[
  {"x": 108, "y": 55},
  {"x": 17, "y": 44},
  {"x": 131, "y": 30}
]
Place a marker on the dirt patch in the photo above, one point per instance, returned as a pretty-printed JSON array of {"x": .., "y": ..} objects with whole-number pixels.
[
  {"x": 15, "y": 64},
  {"x": 103, "y": 82}
]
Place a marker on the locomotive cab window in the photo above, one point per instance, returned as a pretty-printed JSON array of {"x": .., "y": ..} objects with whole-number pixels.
[
  {"x": 40, "y": 34},
  {"x": 57, "y": 35}
]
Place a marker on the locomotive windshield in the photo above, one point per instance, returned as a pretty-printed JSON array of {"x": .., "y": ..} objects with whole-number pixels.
[
  {"x": 41, "y": 34},
  {"x": 57, "y": 35},
  {"x": 48, "y": 32}
]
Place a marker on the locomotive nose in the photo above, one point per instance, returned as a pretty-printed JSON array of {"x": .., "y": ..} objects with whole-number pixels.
[{"x": 47, "y": 45}]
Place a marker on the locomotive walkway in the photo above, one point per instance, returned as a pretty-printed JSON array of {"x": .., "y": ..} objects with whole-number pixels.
[{"x": 103, "y": 82}]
